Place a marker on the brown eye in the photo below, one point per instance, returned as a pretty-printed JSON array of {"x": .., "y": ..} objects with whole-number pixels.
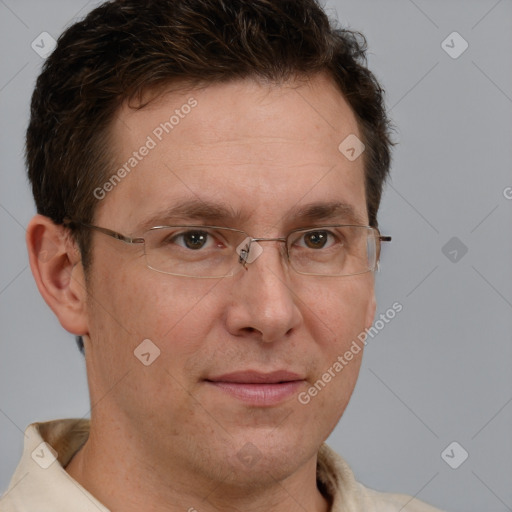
[
  {"x": 316, "y": 239},
  {"x": 194, "y": 239}
]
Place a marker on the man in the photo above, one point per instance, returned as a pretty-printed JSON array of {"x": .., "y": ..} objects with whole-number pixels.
[{"x": 207, "y": 177}]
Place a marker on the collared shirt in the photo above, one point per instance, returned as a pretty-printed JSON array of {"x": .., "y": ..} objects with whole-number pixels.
[{"x": 41, "y": 484}]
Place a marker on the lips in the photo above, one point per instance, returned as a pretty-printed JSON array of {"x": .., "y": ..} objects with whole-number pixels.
[
  {"x": 255, "y": 377},
  {"x": 257, "y": 388}
]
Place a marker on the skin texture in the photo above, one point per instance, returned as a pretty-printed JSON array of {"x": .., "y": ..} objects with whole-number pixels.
[{"x": 161, "y": 436}]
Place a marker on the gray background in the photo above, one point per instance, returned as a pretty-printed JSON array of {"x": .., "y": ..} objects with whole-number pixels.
[{"x": 440, "y": 371}]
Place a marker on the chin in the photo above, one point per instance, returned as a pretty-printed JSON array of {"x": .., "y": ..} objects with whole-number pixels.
[{"x": 263, "y": 457}]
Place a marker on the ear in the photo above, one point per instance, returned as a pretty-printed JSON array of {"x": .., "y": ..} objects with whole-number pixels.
[
  {"x": 370, "y": 311},
  {"x": 57, "y": 269}
]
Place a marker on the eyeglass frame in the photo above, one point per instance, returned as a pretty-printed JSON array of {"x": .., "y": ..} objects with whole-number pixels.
[{"x": 242, "y": 259}]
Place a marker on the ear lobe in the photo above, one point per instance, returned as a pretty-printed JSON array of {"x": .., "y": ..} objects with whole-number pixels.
[{"x": 56, "y": 266}]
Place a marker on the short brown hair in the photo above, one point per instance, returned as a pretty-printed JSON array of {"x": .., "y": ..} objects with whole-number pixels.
[{"x": 127, "y": 47}]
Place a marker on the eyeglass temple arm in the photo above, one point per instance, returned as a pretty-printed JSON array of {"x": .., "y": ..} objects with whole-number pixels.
[{"x": 109, "y": 232}]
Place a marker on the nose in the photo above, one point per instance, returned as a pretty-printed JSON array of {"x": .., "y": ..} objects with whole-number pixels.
[{"x": 264, "y": 304}]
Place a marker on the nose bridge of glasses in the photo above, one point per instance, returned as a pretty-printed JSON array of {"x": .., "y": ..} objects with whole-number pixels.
[
  {"x": 279, "y": 239},
  {"x": 249, "y": 252}
]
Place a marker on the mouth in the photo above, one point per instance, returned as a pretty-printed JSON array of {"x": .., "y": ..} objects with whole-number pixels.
[{"x": 258, "y": 388}]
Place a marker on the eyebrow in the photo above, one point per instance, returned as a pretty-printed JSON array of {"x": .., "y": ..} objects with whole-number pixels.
[
  {"x": 328, "y": 211},
  {"x": 223, "y": 214},
  {"x": 194, "y": 209}
]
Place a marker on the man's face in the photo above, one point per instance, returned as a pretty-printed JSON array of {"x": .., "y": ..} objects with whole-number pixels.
[{"x": 264, "y": 152}]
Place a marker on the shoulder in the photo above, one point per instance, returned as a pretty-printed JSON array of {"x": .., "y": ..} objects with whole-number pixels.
[
  {"x": 390, "y": 502},
  {"x": 347, "y": 495},
  {"x": 40, "y": 481}
]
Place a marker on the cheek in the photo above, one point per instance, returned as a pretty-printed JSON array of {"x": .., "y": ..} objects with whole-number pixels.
[
  {"x": 148, "y": 304},
  {"x": 340, "y": 311},
  {"x": 335, "y": 319},
  {"x": 175, "y": 314}
]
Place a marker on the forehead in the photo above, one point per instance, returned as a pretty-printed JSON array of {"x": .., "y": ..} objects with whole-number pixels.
[{"x": 262, "y": 150}]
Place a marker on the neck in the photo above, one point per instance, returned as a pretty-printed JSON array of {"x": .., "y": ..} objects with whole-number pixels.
[{"x": 113, "y": 460}]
